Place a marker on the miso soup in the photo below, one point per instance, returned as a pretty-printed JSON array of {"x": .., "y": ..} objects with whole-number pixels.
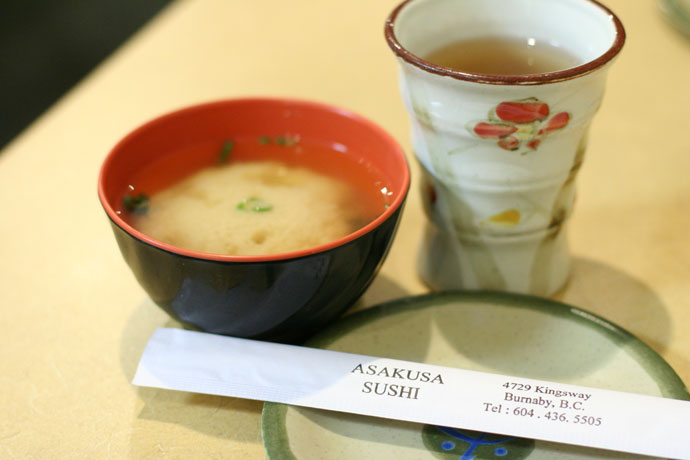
[{"x": 256, "y": 207}]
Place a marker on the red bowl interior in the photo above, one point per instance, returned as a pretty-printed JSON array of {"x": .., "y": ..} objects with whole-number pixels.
[{"x": 170, "y": 147}]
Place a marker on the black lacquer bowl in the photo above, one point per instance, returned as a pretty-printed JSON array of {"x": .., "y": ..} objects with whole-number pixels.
[{"x": 278, "y": 297}]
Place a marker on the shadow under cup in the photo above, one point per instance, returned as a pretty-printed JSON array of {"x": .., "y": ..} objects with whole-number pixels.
[{"x": 499, "y": 153}]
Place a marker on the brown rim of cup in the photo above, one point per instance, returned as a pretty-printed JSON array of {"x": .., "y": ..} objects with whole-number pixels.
[{"x": 531, "y": 79}]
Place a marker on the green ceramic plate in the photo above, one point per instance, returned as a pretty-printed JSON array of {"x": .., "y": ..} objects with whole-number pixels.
[
  {"x": 678, "y": 13},
  {"x": 491, "y": 332}
]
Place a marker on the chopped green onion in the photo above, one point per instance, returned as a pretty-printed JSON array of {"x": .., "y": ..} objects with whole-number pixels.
[
  {"x": 224, "y": 154},
  {"x": 138, "y": 204},
  {"x": 287, "y": 141},
  {"x": 283, "y": 141},
  {"x": 254, "y": 204}
]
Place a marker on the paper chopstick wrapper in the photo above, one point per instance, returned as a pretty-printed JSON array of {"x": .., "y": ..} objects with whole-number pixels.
[{"x": 197, "y": 362}]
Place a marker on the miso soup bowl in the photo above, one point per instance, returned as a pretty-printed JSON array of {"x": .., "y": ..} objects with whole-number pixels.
[{"x": 277, "y": 297}]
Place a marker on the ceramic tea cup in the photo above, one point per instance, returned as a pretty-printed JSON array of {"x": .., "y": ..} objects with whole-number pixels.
[{"x": 499, "y": 152}]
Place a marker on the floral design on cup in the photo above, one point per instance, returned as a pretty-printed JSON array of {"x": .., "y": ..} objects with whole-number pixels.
[
  {"x": 507, "y": 218},
  {"x": 513, "y": 124}
]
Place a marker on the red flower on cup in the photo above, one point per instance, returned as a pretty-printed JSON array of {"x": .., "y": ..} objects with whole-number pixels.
[{"x": 513, "y": 124}]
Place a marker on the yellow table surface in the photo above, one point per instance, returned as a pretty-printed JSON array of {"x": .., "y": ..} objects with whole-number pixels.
[{"x": 74, "y": 321}]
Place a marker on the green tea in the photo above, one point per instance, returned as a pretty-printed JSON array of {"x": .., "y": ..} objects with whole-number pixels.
[{"x": 502, "y": 56}]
